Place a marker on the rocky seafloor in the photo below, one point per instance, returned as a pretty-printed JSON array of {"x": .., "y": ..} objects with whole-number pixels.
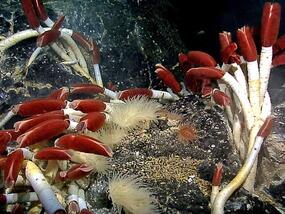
[{"x": 132, "y": 39}]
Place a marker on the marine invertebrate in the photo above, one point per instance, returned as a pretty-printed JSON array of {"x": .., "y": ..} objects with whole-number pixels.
[
  {"x": 186, "y": 133},
  {"x": 250, "y": 102},
  {"x": 73, "y": 155},
  {"x": 130, "y": 194},
  {"x": 111, "y": 134},
  {"x": 76, "y": 116},
  {"x": 134, "y": 111}
]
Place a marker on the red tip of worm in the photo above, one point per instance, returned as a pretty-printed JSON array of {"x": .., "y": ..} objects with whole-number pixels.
[
  {"x": 134, "y": 92},
  {"x": 30, "y": 13},
  {"x": 266, "y": 128},
  {"x": 200, "y": 58},
  {"x": 217, "y": 177},
  {"x": 270, "y": 23},
  {"x": 40, "y": 10},
  {"x": 246, "y": 44}
]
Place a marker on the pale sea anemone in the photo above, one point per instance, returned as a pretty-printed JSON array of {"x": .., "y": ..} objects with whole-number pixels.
[
  {"x": 135, "y": 111},
  {"x": 110, "y": 135},
  {"x": 130, "y": 194}
]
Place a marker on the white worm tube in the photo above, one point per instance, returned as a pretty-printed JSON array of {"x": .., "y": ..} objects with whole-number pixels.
[
  {"x": 97, "y": 74},
  {"x": 65, "y": 57},
  {"x": 228, "y": 108},
  {"x": 214, "y": 193},
  {"x": 33, "y": 56},
  {"x": 163, "y": 95},
  {"x": 109, "y": 93},
  {"x": 246, "y": 106},
  {"x": 22, "y": 197},
  {"x": 237, "y": 137},
  {"x": 72, "y": 192},
  {"x": 253, "y": 87},
  {"x": 42, "y": 188},
  {"x": 265, "y": 67},
  {"x": 6, "y": 118},
  {"x": 66, "y": 35},
  {"x": 28, "y": 155},
  {"x": 48, "y": 22},
  {"x": 76, "y": 50},
  {"x": 81, "y": 199},
  {"x": 16, "y": 38},
  {"x": 222, "y": 197},
  {"x": 266, "y": 108},
  {"x": 239, "y": 75}
]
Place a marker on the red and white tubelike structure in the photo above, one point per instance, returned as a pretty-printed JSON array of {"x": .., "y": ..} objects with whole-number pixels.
[{"x": 243, "y": 96}]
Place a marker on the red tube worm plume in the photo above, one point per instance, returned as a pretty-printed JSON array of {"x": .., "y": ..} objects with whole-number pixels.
[
  {"x": 30, "y": 13},
  {"x": 58, "y": 24},
  {"x": 2, "y": 163},
  {"x": 95, "y": 52},
  {"x": 266, "y": 128},
  {"x": 186, "y": 133},
  {"x": 228, "y": 49},
  {"x": 200, "y": 58},
  {"x": 229, "y": 54},
  {"x": 83, "y": 41},
  {"x": 40, "y": 9},
  {"x": 225, "y": 39},
  {"x": 60, "y": 94},
  {"x": 204, "y": 87},
  {"x": 86, "y": 88},
  {"x": 92, "y": 121},
  {"x": 28, "y": 123},
  {"x": 217, "y": 177},
  {"x": 193, "y": 84},
  {"x": 112, "y": 86},
  {"x": 134, "y": 92},
  {"x": 184, "y": 64},
  {"x": 83, "y": 143},
  {"x": 270, "y": 23},
  {"x": 221, "y": 98},
  {"x": 206, "y": 91},
  {"x": 204, "y": 73},
  {"x": 279, "y": 45},
  {"x": 17, "y": 209},
  {"x": 76, "y": 172},
  {"x": 278, "y": 60},
  {"x": 43, "y": 131},
  {"x": 5, "y": 138},
  {"x": 38, "y": 106},
  {"x": 85, "y": 211},
  {"x": 88, "y": 105},
  {"x": 3, "y": 199},
  {"x": 167, "y": 78},
  {"x": 52, "y": 35},
  {"x": 53, "y": 153},
  {"x": 14, "y": 133},
  {"x": 13, "y": 166},
  {"x": 246, "y": 44}
]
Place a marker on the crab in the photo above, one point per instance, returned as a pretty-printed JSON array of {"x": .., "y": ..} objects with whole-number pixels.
[{"x": 244, "y": 98}]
